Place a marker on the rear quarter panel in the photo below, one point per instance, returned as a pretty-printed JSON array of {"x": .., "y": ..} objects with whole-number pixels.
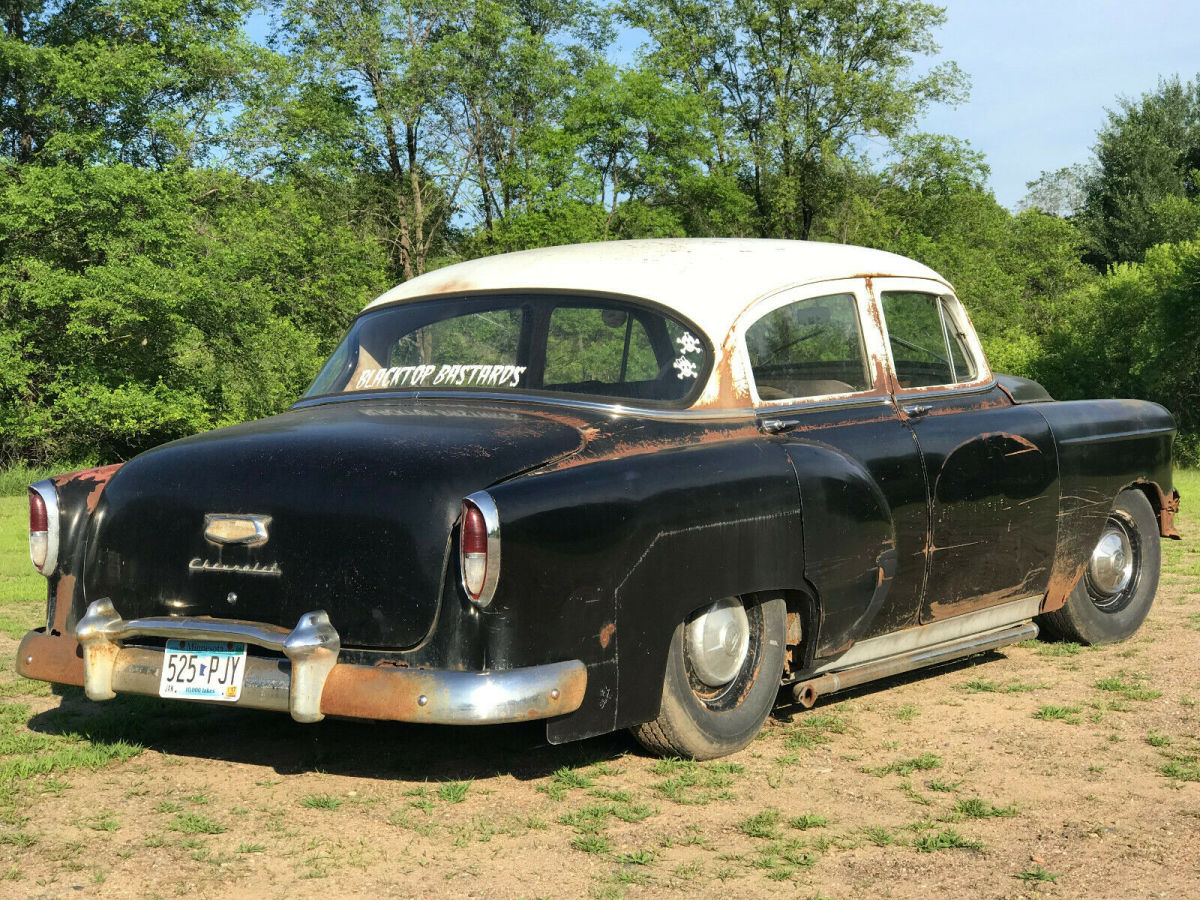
[{"x": 600, "y": 562}]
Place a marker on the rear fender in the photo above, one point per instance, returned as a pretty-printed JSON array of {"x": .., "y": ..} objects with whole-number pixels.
[
  {"x": 601, "y": 562},
  {"x": 78, "y": 496}
]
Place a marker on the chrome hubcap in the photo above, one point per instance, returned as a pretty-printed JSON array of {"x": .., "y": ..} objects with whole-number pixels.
[
  {"x": 1111, "y": 567},
  {"x": 718, "y": 641}
]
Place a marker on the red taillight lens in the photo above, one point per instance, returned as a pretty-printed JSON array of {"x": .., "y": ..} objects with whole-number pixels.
[
  {"x": 473, "y": 554},
  {"x": 39, "y": 530},
  {"x": 474, "y": 532}
]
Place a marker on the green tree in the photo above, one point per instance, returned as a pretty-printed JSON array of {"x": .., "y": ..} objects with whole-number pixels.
[
  {"x": 1134, "y": 333},
  {"x": 792, "y": 87},
  {"x": 137, "y": 306},
  {"x": 143, "y": 82},
  {"x": 1147, "y": 155}
]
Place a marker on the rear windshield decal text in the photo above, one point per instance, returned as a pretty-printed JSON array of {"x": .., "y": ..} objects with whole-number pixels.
[{"x": 449, "y": 375}]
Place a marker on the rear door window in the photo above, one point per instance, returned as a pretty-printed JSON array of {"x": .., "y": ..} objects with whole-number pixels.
[{"x": 810, "y": 348}]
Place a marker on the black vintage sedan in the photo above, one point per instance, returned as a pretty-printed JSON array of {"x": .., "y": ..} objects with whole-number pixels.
[{"x": 640, "y": 485}]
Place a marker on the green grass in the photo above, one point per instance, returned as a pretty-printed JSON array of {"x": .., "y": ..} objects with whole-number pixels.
[
  {"x": 1068, "y": 714},
  {"x": 879, "y": 836},
  {"x": 194, "y": 823},
  {"x": 922, "y": 763},
  {"x": 1130, "y": 690},
  {"x": 636, "y": 857},
  {"x": 1037, "y": 873},
  {"x": 761, "y": 825},
  {"x": 946, "y": 839},
  {"x": 690, "y": 783},
  {"x": 807, "y": 821},
  {"x": 591, "y": 843},
  {"x": 320, "y": 801},
  {"x": 1184, "y": 767},
  {"x": 978, "y": 808},
  {"x": 1063, "y": 648},
  {"x": 812, "y": 729},
  {"x": 984, "y": 686},
  {"x": 22, "y": 589},
  {"x": 453, "y": 791}
]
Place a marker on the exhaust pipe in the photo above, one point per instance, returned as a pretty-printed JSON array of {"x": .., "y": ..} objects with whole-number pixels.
[{"x": 806, "y": 692}]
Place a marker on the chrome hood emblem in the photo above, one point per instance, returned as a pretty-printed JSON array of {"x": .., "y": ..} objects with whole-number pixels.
[{"x": 243, "y": 530}]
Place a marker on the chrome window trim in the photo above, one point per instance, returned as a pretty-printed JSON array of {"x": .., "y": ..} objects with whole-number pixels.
[
  {"x": 817, "y": 404},
  {"x": 615, "y": 410},
  {"x": 45, "y": 490},
  {"x": 491, "y": 520},
  {"x": 972, "y": 388}
]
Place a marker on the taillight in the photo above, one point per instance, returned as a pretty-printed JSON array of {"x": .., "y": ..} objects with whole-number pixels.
[
  {"x": 43, "y": 527},
  {"x": 479, "y": 548}
]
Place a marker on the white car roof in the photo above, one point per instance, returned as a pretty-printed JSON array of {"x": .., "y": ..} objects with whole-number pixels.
[{"x": 708, "y": 280}]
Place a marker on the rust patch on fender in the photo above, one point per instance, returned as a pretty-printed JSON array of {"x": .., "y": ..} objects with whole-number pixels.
[
  {"x": 1060, "y": 588},
  {"x": 96, "y": 478},
  {"x": 606, "y": 634},
  {"x": 1168, "y": 507}
]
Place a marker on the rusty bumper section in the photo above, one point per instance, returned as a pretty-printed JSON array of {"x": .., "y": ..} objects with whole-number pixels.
[{"x": 308, "y": 682}]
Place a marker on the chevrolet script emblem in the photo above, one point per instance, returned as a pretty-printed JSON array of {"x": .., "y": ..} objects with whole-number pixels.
[{"x": 246, "y": 531}]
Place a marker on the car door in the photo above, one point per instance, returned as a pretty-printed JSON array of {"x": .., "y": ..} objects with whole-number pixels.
[
  {"x": 991, "y": 464},
  {"x": 818, "y": 382}
]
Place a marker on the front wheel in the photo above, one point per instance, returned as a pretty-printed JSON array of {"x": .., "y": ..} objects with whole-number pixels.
[
  {"x": 1119, "y": 581},
  {"x": 723, "y": 675}
]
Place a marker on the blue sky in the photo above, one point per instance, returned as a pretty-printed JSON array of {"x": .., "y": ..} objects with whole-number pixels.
[{"x": 1043, "y": 72}]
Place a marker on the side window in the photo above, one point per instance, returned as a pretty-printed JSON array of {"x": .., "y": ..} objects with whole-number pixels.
[
  {"x": 482, "y": 338},
  {"x": 928, "y": 346},
  {"x": 616, "y": 352},
  {"x": 604, "y": 346},
  {"x": 809, "y": 348}
]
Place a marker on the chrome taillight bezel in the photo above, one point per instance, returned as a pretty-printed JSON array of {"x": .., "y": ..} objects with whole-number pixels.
[
  {"x": 45, "y": 490},
  {"x": 482, "y": 501}
]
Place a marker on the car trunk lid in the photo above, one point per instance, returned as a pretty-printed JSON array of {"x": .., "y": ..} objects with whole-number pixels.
[{"x": 358, "y": 501}]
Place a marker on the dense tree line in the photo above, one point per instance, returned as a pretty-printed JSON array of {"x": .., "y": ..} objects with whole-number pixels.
[{"x": 196, "y": 197}]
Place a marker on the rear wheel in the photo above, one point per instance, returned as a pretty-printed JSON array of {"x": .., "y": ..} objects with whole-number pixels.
[
  {"x": 1119, "y": 581},
  {"x": 723, "y": 674}
]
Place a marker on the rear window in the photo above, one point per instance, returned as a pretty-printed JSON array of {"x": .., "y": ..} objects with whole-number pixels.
[{"x": 596, "y": 347}]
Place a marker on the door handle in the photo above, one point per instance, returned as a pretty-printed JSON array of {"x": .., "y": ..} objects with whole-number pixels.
[
  {"x": 916, "y": 410},
  {"x": 776, "y": 426}
]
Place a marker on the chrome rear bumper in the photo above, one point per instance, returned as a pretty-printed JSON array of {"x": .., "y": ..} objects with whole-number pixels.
[{"x": 308, "y": 682}]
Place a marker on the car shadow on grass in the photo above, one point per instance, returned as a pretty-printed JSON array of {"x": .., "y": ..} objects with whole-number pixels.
[{"x": 386, "y": 750}]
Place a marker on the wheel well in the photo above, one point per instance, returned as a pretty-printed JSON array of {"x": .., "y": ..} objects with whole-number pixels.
[
  {"x": 803, "y": 624},
  {"x": 803, "y": 628}
]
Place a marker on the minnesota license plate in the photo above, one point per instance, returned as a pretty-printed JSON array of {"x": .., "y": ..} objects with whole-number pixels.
[{"x": 203, "y": 670}]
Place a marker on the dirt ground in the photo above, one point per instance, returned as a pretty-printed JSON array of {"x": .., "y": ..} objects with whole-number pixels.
[{"x": 1041, "y": 770}]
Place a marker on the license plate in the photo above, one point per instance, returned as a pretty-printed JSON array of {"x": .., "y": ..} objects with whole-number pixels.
[{"x": 203, "y": 670}]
